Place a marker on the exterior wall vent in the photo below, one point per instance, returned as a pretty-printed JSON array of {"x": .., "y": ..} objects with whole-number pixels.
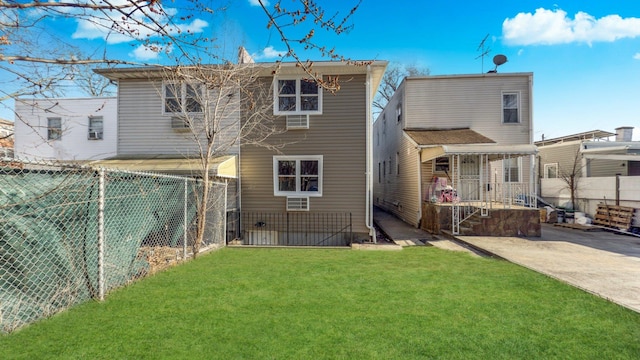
[
  {"x": 297, "y": 122},
  {"x": 297, "y": 203}
]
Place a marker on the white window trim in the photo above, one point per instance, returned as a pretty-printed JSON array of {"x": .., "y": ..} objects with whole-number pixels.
[
  {"x": 298, "y": 111},
  {"x": 297, "y": 158},
  {"x": 90, "y": 128},
  {"x": 549, "y": 165},
  {"x": 50, "y": 129},
  {"x": 183, "y": 93},
  {"x": 517, "y": 93}
]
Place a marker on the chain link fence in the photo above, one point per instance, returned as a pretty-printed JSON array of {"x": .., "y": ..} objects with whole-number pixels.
[{"x": 72, "y": 233}]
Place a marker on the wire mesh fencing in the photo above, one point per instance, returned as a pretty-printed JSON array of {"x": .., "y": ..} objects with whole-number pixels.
[{"x": 71, "y": 233}]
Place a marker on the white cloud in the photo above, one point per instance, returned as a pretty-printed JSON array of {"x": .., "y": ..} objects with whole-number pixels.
[
  {"x": 148, "y": 52},
  {"x": 637, "y": 56},
  {"x": 257, "y": 3},
  {"x": 269, "y": 53},
  {"x": 551, "y": 27},
  {"x": 100, "y": 27}
]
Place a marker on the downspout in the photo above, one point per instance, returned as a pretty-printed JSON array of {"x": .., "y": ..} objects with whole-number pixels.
[
  {"x": 369, "y": 161},
  {"x": 533, "y": 184}
]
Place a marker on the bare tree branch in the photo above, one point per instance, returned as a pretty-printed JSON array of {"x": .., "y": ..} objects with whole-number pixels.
[{"x": 280, "y": 18}]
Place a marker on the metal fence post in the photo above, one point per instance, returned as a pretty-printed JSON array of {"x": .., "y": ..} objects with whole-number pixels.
[
  {"x": 101, "y": 235},
  {"x": 224, "y": 211},
  {"x": 184, "y": 221}
]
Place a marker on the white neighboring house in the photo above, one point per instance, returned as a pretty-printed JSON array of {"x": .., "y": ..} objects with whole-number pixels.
[
  {"x": 66, "y": 129},
  {"x": 6, "y": 138}
]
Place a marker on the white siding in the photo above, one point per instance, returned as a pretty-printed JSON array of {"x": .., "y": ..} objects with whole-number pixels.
[{"x": 31, "y": 128}]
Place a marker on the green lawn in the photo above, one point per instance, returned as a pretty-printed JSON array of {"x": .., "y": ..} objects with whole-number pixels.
[{"x": 419, "y": 303}]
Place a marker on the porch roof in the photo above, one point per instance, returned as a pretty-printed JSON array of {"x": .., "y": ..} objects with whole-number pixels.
[
  {"x": 494, "y": 151},
  {"x": 222, "y": 166},
  {"x": 431, "y": 137}
]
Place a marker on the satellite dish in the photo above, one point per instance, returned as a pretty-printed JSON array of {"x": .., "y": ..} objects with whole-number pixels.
[{"x": 499, "y": 60}]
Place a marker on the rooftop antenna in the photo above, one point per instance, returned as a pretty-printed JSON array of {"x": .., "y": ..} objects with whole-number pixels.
[
  {"x": 482, "y": 50},
  {"x": 498, "y": 60}
]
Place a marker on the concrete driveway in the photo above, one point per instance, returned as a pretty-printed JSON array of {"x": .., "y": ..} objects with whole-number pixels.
[{"x": 600, "y": 262}]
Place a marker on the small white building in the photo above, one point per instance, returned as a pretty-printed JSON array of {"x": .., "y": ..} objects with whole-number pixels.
[
  {"x": 6, "y": 138},
  {"x": 66, "y": 129}
]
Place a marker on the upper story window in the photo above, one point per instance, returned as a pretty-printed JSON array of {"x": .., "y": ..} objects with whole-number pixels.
[
  {"x": 510, "y": 108},
  {"x": 182, "y": 97},
  {"x": 399, "y": 112},
  {"x": 96, "y": 128},
  {"x": 297, "y": 175},
  {"x": 54, "y": 128},
  {"x": 297, "y": 96}
]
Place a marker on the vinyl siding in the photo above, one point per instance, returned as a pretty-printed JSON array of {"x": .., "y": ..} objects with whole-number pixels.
[
  {"x": 396, "y": 193},
  {"x": 469, "y": 101},
  {"x": 339, "y": 134},
  {"x": 601, "y": 167},
  {"x": 143, "y": 129},
  {"x": 563, "y": 154}
]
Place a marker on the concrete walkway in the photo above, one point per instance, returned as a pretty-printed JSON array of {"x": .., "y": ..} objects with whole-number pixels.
[
  {"x": 602, "y": 263},
  {"x": 404, "y": 234}
]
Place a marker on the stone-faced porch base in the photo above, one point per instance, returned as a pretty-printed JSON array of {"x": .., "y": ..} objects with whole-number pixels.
[{"x": 517, "y": 221}]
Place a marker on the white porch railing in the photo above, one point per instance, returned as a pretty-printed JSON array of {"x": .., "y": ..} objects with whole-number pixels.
[{"x": 508, "y": 194}]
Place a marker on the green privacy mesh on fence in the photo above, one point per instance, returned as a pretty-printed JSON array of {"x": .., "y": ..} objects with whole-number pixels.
[{"x": 50, "y": 227}]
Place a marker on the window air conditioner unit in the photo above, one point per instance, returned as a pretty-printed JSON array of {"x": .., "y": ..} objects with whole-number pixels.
[
  {"x": 179, "y": 123},
  {"x": 297, "y": 203},
  {"x": 94, "y": 135},
  {"x": 295, "y": 122}
]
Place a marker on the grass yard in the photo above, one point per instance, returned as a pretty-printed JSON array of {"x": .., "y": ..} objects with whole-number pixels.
[{"x": 419, "y": 303}]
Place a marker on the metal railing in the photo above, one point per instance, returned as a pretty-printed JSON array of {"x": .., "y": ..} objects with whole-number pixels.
[
  {"x": 296, "y": 229},
  {"x": 70, "y": 233},
  {"x": 513, "y": 193}
]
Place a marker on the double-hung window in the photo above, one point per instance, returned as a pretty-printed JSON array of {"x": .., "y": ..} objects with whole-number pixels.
[
  {"x": 297, "y": 96},
  {"x": 297, "y": 175},
  {"x": 182, "y": 97},
  {"x": 54, "y": 128},
  {"x": 511, "y": 167},
  {"x": 510, "y": 108},
  {"x": 96, "y": 128}
]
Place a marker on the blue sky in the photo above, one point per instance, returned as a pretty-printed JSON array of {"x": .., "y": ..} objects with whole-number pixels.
[{"x": 585, "y": 55}]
